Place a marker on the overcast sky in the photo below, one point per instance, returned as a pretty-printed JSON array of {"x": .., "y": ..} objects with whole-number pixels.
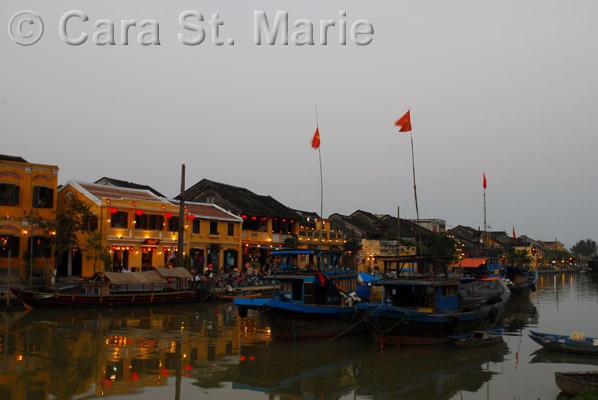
[{"x": 508, "y": 88}]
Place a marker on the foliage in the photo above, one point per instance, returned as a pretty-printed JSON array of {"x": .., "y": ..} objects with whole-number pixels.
[
  {"x": 71, "y": 219},
  {"x": 94, "y": 250},
  {"x": 518, "y": 257},
  {"x": 585, "y": 248},
  {"x": 291, "y": 242},
  {"x": 439, "y": 245},
  {"x": 351, "y": 249}
]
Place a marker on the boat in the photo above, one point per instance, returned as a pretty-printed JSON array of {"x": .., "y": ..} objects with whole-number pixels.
[
  {"x": 577, "y": 342},
  {"x": 309, "y": 303},
  {"x": 574, "y": 383},
  {"x": 231, "y": 295},
  {"x": 428, "y": 307},
  {"x": 521, "y": 281},
  {"x": 116, "y": 289},
  {"x": 479, "y": 338}
]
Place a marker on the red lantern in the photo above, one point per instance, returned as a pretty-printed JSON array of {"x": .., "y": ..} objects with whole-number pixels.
[
  {"x": 253, "y": 218},
  {"x": 244, "y": 216},
  {"x": 138, "y": 212},
  {"x": 191, "y": 217},
  {"x": 113, "y": 210},
  {"x": 168, "y": 215}
]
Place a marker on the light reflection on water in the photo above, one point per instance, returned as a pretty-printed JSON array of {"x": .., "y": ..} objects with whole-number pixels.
[{"x": 207, "y": 351}]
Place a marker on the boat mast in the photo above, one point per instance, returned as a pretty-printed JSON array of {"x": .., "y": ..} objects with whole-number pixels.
[
  {"x": 415, "y": 192},
  {"x": 485, "y": 238}
]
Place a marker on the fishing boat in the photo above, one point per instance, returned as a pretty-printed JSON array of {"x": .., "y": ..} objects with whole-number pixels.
[
  {"x": 116, "y": 289},
  {"x": 309, "y": 303},
  {"x": 428, "y": 307},
  {"x": 479, "y": 338},
  {"x": 574, "y": 383},
  {"x": 521, "y": 281},
  {"x": 577, "y": 342}
]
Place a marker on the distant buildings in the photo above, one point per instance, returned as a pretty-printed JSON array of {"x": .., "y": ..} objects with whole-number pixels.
[{"x": 225, "y": 227}]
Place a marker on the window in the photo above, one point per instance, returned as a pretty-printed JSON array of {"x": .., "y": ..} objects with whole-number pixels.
[
  {"x": 196, "y": 226},
  {"x": 231, "y": 229},
  {"x": 43, "y": 197},
  {"x": 173, "y": 224},
  {"x": 90, "y": 223},
  {"x": 9, "y": 194},
  {"x": 152, "y": 222},
  {"x": 9, "y": 244},
  {"x": 42, "y": 247},
  {"x": 213, "y": 228},
  {"x": 119, "y": 220}
]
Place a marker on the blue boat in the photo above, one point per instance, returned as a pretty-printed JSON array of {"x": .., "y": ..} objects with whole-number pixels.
[
  {"x": 309, "y": 303},
  {"x": 521, "y": 281},
  {"x": 429, "y": 307},
  {"x": 575, "y": 343}
]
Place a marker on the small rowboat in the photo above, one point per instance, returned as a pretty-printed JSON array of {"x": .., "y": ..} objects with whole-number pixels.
[
  {"x": 573, "y": 383},
  {"x": 237, "y": 295},
  {"x": 575, "y": 343},
  {"x": 479, "y": 338}
]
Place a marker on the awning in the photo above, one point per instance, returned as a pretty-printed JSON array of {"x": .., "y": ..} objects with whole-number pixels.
[{"x": 470, "y": 263}]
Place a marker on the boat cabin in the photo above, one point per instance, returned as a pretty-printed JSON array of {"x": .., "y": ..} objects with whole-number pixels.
[
  {"x": 311, "y": 286},
  {"x": 157, "y": 280}
]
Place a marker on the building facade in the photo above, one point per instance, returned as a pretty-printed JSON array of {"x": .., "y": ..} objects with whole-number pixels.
[
  {"x": 28, "y": 213},
  {"x": 140, "y": 230}
]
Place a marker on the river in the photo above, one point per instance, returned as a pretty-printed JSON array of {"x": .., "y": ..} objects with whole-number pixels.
[{"x": 205, "y": 351}]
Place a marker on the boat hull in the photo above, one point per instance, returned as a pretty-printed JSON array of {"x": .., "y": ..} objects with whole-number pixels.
[
  {"x": 395, "y": 326},
  {"x": 36, "y": 299},
  {"x": 565, "y": 343},
  {"x": 574, "y": 383},
  {"x": 296, "y": 321}
]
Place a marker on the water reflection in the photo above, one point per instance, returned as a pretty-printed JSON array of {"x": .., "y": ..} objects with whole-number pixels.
[
  {"x": 184, "y": 352},
  {"x": 108, "y": 352}
]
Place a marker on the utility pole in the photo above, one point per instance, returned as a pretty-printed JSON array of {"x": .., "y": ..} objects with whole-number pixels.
[{"x": 181, "y": 241}]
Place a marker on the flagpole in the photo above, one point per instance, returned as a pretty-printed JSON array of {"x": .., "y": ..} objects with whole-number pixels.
[
  {"x": 319, "y": 259},
  {"x": 485, "y": 225},
  {"x": 415, "y": 190},
  {"x": 321, "y": 177}
]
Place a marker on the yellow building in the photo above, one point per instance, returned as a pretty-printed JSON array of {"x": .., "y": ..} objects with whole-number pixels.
[
  {"x": 140, "y": 230},
  {"x": 27, "y": 208}
]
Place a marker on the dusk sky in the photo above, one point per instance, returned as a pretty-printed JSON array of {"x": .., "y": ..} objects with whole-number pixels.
[{"x": 508, "y": 88}]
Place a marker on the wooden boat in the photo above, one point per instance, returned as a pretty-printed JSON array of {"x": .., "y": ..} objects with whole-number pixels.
[
  {"x": 479, "y": 338},
  {"x": 575, "y": 343},
  {"x": 116, "y": 289},
  {"x": 309, "y": 303},
  {"x": 574, "y": 383},
  {"x": 521, "y": 281},
  {"x": 236, "y": 295},
  {"x": 430, "y": 308}
]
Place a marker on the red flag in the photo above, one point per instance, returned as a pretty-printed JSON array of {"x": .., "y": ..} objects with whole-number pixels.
[
  {"x": 484, "y": 182},
  {"x": 514, "y": 236},
  {"x": 315, "y": 142},
  {"x": 404, "y": 122}
]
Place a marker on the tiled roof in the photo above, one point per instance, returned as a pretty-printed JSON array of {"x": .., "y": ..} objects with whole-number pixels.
[
  {"x": 115, "y": 192},
  {"x": 210, "y": 211},
  {"x": 244, "y": 200},
  {"x": 126, "y": 184},
  {"x": 4, "y": 157}
]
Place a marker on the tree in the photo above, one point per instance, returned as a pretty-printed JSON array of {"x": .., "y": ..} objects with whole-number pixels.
[
  {"x": 518, "y": 257},
  {"x": 585, "y": 248},
  {"x": 351, "y": 248},
  {"x": 439, "y": 245},
  {"x": 94, "y": 250}
]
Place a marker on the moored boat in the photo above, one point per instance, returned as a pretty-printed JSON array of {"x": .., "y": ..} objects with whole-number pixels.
[
  {"x": 116, "y": 289},
  {"x": 309, "y": 303},
  {"x": 521, "y": 281},
  {"x": 574, "y": 383},
  {"x": 431, "y": 308},
  {"x": 577, "y": 342},
  {"x": 479, "y": 338}
]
